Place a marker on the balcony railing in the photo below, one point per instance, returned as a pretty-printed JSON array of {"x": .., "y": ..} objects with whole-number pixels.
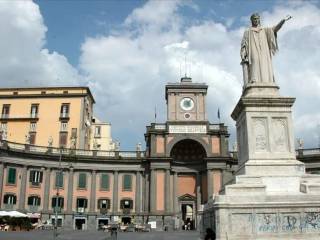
[
  {"x": 64, "y": 115},
  {"x": 33, "y": 209},
  {"x": 81, "y": 210},
  {"x": 20, "y": 116},
  {"x": 8, "y": 206},
  {"x": 19, "y": 147}
]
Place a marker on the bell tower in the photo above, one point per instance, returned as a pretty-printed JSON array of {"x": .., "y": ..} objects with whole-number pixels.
[{"x": 186, "y": 101}]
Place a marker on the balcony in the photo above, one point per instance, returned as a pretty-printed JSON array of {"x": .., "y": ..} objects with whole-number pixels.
[
  {"x": 103, "y": 211},
  {"x": 81, "y": 210},
  {"x": 17, "y": 117},
  {"x": 33, "y": 115},
  {"x": 8, "y": 206},
  {"x": 33, "y": 209}
]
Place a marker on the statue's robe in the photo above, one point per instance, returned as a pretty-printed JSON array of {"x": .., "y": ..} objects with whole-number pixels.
[{"x": 259, "y": 45}]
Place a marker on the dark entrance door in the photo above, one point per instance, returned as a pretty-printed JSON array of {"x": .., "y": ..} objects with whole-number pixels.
[
  {"x": 80, "y": 223},
  {"x": 187, "y": 212},
  {"x": 126, "y": 220}
]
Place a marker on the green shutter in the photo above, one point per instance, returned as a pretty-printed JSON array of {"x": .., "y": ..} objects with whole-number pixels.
[
  {"x": 127, "y": 182},
  {"x": 82, "y": 180},
  {"x": 59, "y": 179},
  {"x": 104, "y": 182},
  {"x": 12, "y": 176}
]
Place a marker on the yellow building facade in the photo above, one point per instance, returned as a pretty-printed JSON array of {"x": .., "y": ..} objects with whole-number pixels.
[{"x": 50, "y": 116}]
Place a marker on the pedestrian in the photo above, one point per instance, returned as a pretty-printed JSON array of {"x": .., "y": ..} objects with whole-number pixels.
[{"x": 210, "y": 234}]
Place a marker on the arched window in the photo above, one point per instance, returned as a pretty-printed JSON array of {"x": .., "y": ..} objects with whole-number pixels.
[
  {"x": 126, "y": 204},
  {"x": 10, "y": 199},
  {"x": 34, "y": 201},
  {"x": 60, "y": 202},
  {"x": 104, "y": 203},
  {"x": 82, "y": 204}
]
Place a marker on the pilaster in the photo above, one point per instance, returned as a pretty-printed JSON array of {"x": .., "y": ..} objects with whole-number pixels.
[
  {"x": 115, "y": 192},
  {"x": 93, "y": 191},
  {"x": 1, "y": 182},
  {"x": 46, "y": 190},
  {"x": 138, "y": 193},
  {"x": 23, "y": 185},
  {"x": 70, "y": 191},
  {"x": 167, "y": 191}
]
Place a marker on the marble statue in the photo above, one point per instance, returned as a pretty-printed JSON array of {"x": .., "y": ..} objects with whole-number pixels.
[
  {"x": 95, "y": 145},
  {"x": 257, "y": 48},
  {"x": 4, "y": 135},
  {"x": 50, "y": 141},
  {"x": 138, "y": 147},
  {"x": 27, "y": 138},
  {"x": 73, "y": 143}
]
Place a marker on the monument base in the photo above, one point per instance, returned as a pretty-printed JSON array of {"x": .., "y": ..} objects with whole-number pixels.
[{"x": 272, "y": 197}]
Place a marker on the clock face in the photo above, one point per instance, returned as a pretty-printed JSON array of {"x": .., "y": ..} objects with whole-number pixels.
[{"x": 186, "y": 103}]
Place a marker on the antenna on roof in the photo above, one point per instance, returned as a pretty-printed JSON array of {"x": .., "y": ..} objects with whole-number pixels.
[{"x": 185, "y": 64}]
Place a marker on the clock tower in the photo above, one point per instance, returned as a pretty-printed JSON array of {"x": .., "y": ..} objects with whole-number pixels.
[{"x": 186, "y": 101}]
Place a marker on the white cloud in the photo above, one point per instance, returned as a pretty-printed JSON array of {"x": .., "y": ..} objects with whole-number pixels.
[
  {"x": 133, "y": 66},
  {"x": 24, "y": 61}
]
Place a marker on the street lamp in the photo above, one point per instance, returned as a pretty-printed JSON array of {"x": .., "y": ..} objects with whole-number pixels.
[{"x": 57, "y": 196}]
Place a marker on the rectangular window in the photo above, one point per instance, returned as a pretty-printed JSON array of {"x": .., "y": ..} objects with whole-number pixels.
[
  {"x": 63, "y": 137},
  {"x": 74, "y": 133},
  {"x": 59, "y": 179},
  {"x": 12, "y": 175},
  {"x": 32, "y": 139},
  {"x": 104, "y": 184},
  {"x": 33, "y": 127},
  {"x": 64, "y": 127},
  {"x": 127, "y": 182},
  {"x": 35, "y": 177},
  {"x": 82, "y": 183},
  {"x": 97, "y": 131},
  {"x": 64, "y": 111},
  {"x": 5, "y": 111},
  {"x": 34, "y": 111}
]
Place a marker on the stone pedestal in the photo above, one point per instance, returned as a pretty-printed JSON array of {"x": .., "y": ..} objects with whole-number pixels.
[{"x": 273, "y": 198}]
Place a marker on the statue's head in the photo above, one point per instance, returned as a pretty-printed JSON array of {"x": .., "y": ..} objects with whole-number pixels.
[{"x": 255, "y": 19}]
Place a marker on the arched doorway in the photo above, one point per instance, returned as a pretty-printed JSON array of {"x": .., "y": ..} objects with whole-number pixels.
[{"x": 188, "y": 162}]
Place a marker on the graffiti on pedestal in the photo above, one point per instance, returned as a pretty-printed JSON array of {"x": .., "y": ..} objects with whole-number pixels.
[
  {"x": 266, "y": 223},
  {"x": 290, "y": 222},
  {"x": 312, "y": 221}
]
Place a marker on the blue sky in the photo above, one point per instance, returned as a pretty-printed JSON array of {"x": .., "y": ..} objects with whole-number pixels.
[
  {"x": 126, "y": 51},
  {"x": 69, "y": 22}
]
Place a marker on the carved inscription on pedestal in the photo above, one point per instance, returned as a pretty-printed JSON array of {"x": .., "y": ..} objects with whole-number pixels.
[
  {"x": 280, "y": 134},
  {"x": 260, "y": 134}
]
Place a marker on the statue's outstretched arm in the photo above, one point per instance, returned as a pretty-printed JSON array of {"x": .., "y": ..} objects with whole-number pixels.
[{"x": 279, "y": 25}]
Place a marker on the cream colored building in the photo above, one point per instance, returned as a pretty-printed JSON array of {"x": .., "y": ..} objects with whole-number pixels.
[
  {"x": 56, "y": 116},
  {"x": 100, "y": 137}
]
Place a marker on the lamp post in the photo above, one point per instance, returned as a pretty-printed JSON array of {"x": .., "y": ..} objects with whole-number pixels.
[{"x": 57, "y": 197}]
